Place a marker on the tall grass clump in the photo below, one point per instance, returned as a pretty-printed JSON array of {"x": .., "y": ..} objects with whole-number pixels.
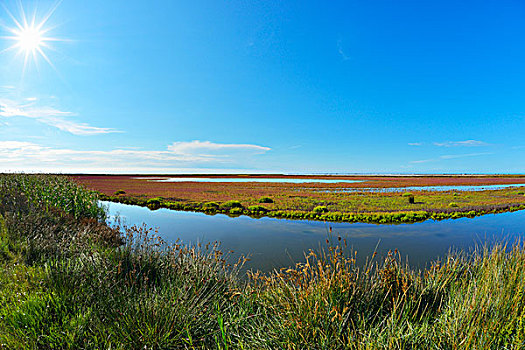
[
  {"x": 47, "y": 216},
  {"x": 50, "y": 191},
  {"x": 475, "y": 302},
  {"x": 148, "y": 294}
]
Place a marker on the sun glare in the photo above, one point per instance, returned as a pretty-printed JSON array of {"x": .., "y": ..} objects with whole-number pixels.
[{"x": 29, "y": 38}]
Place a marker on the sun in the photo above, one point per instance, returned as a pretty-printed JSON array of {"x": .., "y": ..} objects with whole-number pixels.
[{"x": 30, "y": 38}]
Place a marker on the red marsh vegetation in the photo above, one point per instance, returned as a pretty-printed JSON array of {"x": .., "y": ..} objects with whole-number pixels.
[{"x": 306, "y": 197}]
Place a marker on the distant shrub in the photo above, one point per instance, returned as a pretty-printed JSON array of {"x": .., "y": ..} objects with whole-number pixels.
[
  {"x": 231, "y": 204},
  {"x": 410, "y": 197},
  {"x": 173, "y": 205},
  {"x": 265, "y": 200},
  {"x": 236, "y": 211},
  {"x": 453, "y": 205},
  {"x": 119, "y": 192},
  {"x": 154, "y": 202},
  {"x": 320, "y": 209},
  {"x": 210, "y": 206},
  {"x": 257, "y": 208}
]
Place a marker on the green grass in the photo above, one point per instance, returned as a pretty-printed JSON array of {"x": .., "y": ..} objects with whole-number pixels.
[{"x": 67, "y": 281}]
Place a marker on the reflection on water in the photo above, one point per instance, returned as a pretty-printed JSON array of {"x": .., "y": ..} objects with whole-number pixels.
[{"x": 275, "y": 243}]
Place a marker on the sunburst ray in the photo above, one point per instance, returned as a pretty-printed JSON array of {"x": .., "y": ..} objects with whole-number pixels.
[{"x": 30, "y": 37}]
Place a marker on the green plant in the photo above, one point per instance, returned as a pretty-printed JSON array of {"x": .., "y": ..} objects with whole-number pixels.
[
  {"x": 231, "y": 205},
  {"x": 119, "y": 192},
  {"x": 50, "y": 191},
  {"x": 320, "y": 209},
  {"x": 410, "y": 197},
  {"x": 257, "y": 209},
  {"x": 453, "y": 205},
  {"x": 265, "y": 200},
  {"x": 236, "y": 211},
  {"x": 155, "y": 202},
  {"x": 210, "y": 206}
]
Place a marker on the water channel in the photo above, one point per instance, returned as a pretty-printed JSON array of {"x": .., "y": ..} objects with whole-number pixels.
[{"x": 274, "y": 243}]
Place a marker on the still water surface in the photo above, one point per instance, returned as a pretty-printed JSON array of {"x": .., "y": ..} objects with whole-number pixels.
[
  {"x": 275, "y": 243},
  {"x": 248, "y": 179},
  {"x": 519, "y": 187}
]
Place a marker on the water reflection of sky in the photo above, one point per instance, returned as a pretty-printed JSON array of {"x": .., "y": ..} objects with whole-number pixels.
[
  {"x": 274, "y": 243},
  {"x": 223, "y": 179}
]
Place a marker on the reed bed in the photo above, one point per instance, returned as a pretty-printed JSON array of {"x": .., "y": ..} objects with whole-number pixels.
[{"x": 67, "y": 280}]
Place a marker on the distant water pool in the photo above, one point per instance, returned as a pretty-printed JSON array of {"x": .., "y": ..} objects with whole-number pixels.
[
  {"x": 276, "y": 243},
  {"x": 431, "y": 188},
  {"x": 248, "y": 179}
]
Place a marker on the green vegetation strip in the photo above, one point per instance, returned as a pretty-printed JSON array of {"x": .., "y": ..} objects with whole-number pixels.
[
  {"x": 67, "y": 281},
  {"x": 321, "y": 213}
]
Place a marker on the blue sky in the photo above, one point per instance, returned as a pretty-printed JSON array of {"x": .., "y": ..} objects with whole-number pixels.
[{"x": 265, "y": 86}]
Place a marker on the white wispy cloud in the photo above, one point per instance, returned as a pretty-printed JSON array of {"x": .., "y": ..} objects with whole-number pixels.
[
  {"x": 48, "y": 115},
  {"x": 466, "y": 143},
  {"x": 22, "y": 156},
  {"x": 454, "y": 156},
  {"x": 76, "y": 128},
  {"x": 450, "y": 156},
  {"x": 415, "y": 144},
  {"x": 423, "y": 161},
  {"x": 197, "y": 146},
  {"x": 10, "y": 108},
  {"x": 344, "y": 56}
]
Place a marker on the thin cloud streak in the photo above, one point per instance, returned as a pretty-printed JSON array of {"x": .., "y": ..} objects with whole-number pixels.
[
  {"x": 199, "y": 146},
  {"x": 466, "y": 143},
  {"x": 50, "y": 116},
  {"x": 454, "y": 156},
  {"x": 450, "y": 156},
  {"x": 77, "y": 128},
  {"x": 344, "y": 56}
]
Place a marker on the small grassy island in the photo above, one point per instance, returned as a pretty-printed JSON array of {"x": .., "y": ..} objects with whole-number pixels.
[
  {"x": 373, "y": 199},
  {"x": 67, "y": 280}
]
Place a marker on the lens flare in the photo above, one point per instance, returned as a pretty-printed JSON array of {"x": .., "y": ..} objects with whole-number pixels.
[{"x": 29, "y": 37}]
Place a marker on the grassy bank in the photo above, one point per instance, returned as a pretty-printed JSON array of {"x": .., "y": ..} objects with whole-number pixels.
[
  {"x": 69, "y": 281},
  {"x": 321, "y": 212}
]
